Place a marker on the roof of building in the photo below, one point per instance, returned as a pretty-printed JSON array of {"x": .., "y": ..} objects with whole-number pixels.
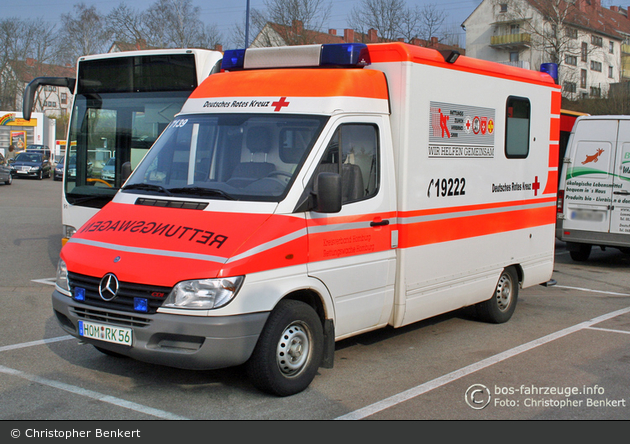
[
  {"x": 27, "y": 70},
  {"x": 296, "y": 34}
]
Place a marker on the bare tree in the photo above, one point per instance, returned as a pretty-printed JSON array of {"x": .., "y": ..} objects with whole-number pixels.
[
  {"x": 84, "y": 32},
  {"x": 385, "y": 16},
  {"x": 297, "y": 20},
  {"x": 422, "y": 23},
  {"x": 176, "y": 23},
  {"x": 21, "y": 40},
  {"x": 127, "y": 24}
]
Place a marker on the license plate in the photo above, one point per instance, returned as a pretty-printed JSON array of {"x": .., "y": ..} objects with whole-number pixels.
[{"x": 107, "y": 333}]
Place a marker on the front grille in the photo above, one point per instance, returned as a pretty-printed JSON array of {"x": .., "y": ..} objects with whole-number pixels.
[
  {"x": 127, "y": 291},
  {"x": 106, "y": 317}
]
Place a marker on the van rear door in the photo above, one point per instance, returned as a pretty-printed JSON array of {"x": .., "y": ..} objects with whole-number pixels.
[
  {"x": 588, "y": 190},
  {"x": 620, "y": 214}
]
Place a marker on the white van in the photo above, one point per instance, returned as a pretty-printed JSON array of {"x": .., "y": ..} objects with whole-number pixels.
[
  {"x": 308, "y": 194},
  {"x": 594, "y": 191}
]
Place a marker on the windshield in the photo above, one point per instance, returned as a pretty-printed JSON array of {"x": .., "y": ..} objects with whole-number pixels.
[
  {"x": 113, "y": 125},
  {"x": 27, "y": 157},
  {"x": 228, "y": 156}
]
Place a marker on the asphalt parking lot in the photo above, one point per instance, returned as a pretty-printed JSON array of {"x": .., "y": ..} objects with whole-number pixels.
[{"x": 564, "y": 355}]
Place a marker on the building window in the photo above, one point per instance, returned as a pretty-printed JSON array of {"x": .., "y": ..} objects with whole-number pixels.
[
  {"x": 584, "y": 51},
  {"x": 64, "y": 98},
  {"x": 596, "y": 92},
  {"x": 610, "y": 72},
  {"x": 596, "y": 66},
  {"x": 569, "y": 87},
  {"x": 503, "y": 7},
  {"x": 571, "y": 33},
  {"x": 570, "y": 60},
  {"x": 611, "y": 47},
  {"x": 514, "y": 56},
  {"x": 597, "y": 41},
  {"x": 583, "y": 78},
  {"x": 517, "y": 128}
]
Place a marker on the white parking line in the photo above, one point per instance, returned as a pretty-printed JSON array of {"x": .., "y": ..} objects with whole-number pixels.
[
  {"x": 592, "y": 291},
  {"x": 609, "y": 330},
  {"x": 47, "y": 281},
  {"x": 92, "y": 394},
  {"x": 32, "y": 343},
  {"x": 465, "y": 371}
]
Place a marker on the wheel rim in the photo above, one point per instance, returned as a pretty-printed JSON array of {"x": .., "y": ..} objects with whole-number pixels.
[
  {"x": 293, "y": 349},
  {"x": 504, "y": 292}
]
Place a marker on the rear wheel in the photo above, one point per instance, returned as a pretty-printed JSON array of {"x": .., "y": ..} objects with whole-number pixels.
[
  {"x": 289, "y": 350},
  {"x": 582, "y": 253},
  {"x": 500, "y": 307}
]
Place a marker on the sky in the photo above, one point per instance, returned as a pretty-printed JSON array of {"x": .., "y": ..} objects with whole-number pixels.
[{"x": 225, "y": 15}]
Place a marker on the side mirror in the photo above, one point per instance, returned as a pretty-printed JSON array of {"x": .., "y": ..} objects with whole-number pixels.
[
  {"x": 125, "y": 172},
  {"x": 328, "y": 194}
]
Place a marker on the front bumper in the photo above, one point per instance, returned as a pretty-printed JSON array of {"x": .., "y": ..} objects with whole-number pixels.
[{"x": 188, "y": 342}]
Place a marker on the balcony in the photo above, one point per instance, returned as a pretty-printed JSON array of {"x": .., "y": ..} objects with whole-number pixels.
[{"x": 508, "y": 41}]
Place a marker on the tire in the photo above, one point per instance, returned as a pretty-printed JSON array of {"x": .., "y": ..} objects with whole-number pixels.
[
  {"x": 289, "y": 350},
  {"x": 40, "y": 176},
  {"x": 9, "y": 181},
  {"x": 582, "y": 253},
  {"x": 500, "y": 307}
]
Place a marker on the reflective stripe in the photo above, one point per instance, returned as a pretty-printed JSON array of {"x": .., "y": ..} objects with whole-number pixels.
[{"x": 149, "y": 251}]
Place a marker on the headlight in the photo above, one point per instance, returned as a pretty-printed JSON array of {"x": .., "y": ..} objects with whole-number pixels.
[
  {"x": 204, "y": 294},
  {"x": 61, "y": 284}
]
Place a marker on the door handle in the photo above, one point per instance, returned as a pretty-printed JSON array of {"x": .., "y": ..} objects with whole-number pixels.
[{"x": 380, "y": 223}]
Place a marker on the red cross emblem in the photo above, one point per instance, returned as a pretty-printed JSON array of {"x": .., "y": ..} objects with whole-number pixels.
[
  {"x": 280, "y": 103},
  {"x": 536, "y": 186}
]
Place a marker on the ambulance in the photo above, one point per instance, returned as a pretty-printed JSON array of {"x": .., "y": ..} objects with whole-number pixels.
[
  {"x": 594, "y": 192},
  {"x": 308, "y": 194}
]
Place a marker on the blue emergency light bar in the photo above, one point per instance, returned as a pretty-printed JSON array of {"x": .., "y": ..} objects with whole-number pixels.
[{"x": 348, "y": 55}]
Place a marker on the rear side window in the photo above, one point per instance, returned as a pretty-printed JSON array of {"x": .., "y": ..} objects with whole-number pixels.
[{"x": 518, "y": 112}]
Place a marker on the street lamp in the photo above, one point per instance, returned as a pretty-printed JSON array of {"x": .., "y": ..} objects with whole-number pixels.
[{"x": 247, "y": 25}]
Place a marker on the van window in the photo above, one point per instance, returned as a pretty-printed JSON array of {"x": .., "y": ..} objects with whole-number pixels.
[
  {"x": 353, "y": 153},
  {"x": 517, "y": 128}
]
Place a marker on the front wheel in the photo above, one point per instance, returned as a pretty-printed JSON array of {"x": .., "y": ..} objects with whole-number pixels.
[
  {"x": 289, "y": 350},
  {"x": 500, "y": 307}
]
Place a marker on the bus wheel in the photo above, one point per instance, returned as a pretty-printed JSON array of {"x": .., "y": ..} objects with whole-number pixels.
[
  {"x": 289, "y": 350},
  {"x": 500, "y": 307}
]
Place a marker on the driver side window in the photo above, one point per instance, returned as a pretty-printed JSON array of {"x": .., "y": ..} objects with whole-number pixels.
[{"x": 353, "y": 153}]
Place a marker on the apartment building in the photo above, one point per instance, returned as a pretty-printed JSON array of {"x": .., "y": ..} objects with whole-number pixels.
[{"x": 588, "y": 41}]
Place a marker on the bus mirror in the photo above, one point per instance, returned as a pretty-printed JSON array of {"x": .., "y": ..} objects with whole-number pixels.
[
  {"x": 328, "y": 196},
  {"x": 125, "y": 171}
]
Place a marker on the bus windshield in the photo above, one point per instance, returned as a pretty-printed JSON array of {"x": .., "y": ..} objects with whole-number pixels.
[
  {"x": 251, "y": 157},
  {"x": 120, "y": 126},
  {"x": 121, "y": 106}
]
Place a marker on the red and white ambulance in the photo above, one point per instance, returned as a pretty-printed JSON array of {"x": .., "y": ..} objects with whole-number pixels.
[{"x": 308, "y": 194}]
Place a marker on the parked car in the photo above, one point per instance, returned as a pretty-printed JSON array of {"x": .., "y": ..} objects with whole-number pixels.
[
  {"x": 5, "y": 171},
  {"x": 31, "y": 165},
  {"x": 58, "y": 174},
  {"x": 39, "y": 149},
  {"x": 108, "y": 172}
]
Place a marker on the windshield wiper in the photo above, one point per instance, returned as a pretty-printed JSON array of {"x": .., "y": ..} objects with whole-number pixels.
[
  {"x": 147, "y": 187},
  {"x": 201, "y": 191}
]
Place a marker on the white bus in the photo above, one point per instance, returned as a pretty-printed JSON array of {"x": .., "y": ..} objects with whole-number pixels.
[{"x": 122, "y": 102}]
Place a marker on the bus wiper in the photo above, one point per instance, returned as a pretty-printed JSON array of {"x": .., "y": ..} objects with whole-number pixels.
[
  {"x": 201, "y": 191},
  {"x": 147, "y": 187}
]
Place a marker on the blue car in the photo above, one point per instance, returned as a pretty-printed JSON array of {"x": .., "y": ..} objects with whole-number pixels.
[
  {"x": 59, "y": 170},
  {"x": 31, "y": 165}
]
